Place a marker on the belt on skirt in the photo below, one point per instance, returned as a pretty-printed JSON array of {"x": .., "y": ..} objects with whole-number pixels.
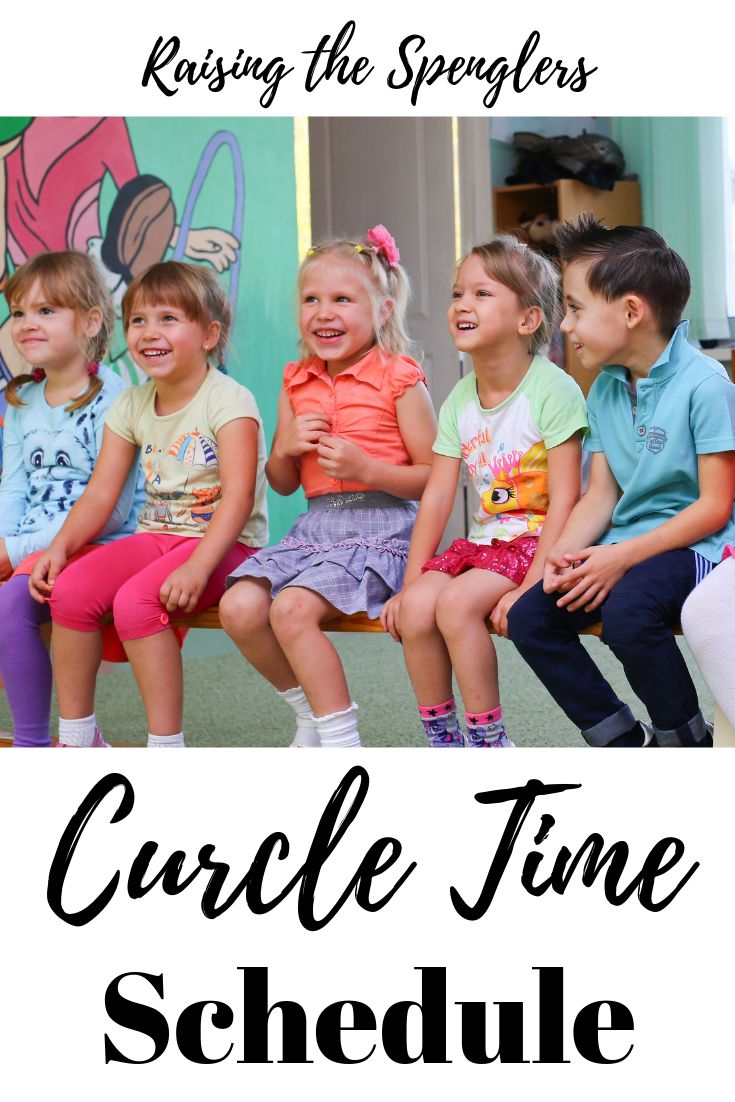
[{"x": 359, "y": 499}]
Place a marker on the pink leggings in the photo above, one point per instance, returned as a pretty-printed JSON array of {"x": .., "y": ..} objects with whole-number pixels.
[{"x": 125, "y": 577}]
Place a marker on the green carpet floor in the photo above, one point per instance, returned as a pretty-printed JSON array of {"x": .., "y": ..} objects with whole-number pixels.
[{"x": 228, "y": 704}]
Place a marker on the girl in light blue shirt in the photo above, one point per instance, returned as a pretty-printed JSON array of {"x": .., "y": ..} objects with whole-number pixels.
[{"x": 61, "y": 320}]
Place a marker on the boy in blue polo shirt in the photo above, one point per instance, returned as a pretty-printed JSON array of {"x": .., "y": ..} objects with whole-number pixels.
[{"x": 659, "y": 508}]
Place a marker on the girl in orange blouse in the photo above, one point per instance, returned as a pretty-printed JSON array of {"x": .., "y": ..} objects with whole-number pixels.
[{"x": 355, "y": 430}]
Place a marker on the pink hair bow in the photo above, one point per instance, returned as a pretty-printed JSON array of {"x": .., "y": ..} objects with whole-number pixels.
[{"x": 385, "y": 243}]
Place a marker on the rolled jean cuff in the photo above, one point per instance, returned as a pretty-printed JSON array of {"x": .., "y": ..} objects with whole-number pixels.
[
  {"x": 691, "y": 734},
  {"x": 609, "y": 728}
]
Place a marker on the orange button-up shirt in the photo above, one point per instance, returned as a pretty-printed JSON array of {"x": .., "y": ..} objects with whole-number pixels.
[{"x": 360, "y": 405}]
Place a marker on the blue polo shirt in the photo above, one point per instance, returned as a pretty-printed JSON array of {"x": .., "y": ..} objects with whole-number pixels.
[{"x": 651, "y": 438}]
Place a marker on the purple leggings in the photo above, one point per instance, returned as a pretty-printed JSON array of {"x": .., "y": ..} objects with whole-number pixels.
[{"x": 25, "y": 663}]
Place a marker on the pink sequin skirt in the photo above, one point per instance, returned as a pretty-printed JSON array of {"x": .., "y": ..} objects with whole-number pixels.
[{"x": 510, "y": 558}]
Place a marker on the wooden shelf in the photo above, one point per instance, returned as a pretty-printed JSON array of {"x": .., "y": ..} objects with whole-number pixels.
[{"x": 564, "y": 200}]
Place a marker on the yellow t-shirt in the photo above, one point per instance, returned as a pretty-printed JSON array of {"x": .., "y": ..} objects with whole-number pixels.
[{"x": 179, "y": 456}]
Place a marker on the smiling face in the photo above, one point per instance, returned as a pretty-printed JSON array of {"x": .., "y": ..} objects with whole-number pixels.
[
  {"x": 47, "y": 335},
  {"x": 598, "y": 329},
  {"x": 336, "y": 312},
  {"x": 484, "y": 313},
  {"x": 167, "y": 344}
]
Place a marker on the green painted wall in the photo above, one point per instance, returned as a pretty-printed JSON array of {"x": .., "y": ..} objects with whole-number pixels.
[
  {"x": 264, "y": 335},
  {"x": 102, "y": 156},
  {"x": 681, "y": 166}
]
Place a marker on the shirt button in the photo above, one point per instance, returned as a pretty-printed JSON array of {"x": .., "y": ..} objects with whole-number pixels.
[{"x": 642, "y": 430}]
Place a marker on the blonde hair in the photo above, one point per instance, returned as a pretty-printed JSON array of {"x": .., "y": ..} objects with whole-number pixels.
[
  {"x": 192, "y": 288},
  {"x": 385, "y": 284},
  {"x": 530, "y": 275},
  {"x": 74, "y": 281}
]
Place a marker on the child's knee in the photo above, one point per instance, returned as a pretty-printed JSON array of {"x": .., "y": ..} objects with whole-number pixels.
[
  {"x": 528, "y": 613},
  {"x": 293, "y": 611},
  {"x": 699, "y": 621},
  {"x": 626, "y": 621},
  {"x": 418, "y": 613},
  {"x": 137, "y": 613},
  {"x": 453, "y": 610},
  {"x": 244, "y": 608},
  {"x": 72, "y": 603}
]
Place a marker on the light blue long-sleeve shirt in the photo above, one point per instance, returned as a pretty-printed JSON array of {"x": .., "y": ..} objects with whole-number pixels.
[{"x": 48, "y": 458}]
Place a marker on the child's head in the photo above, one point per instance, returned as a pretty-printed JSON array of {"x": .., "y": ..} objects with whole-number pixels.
[
  {"x": 336, "y": 271},
  {"x": 191, "y": 288},
  {"x": 619, "y": 283},
  {"x": 533, "y": 282},
  {"x": 40, "y": 293}
]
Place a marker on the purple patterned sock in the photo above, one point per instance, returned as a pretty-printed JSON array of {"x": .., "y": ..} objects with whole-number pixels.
[
  {"x": 485, "y": 729},
  {"x": 440, "y": 723},
  {"x": 25, "y": 663}
]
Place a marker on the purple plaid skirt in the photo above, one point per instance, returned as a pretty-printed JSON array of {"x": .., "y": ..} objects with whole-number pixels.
[{"x": 353, "y": 557}]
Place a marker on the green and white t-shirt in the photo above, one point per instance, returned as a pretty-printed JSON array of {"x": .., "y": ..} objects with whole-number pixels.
[
  {"x": 180, "y": 455},
  {"x": 505, "y": 449}
]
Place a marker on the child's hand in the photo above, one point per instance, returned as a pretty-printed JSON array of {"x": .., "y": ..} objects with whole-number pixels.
[
  {"x": 598, "y": 570},
  {"x": 390, "y": 617},
  {"x": 6, "y": 567},
  {"x": 44, "y": 575},
  {"x": 341, "y": 459},
  {"x": 557, "y": 572},
  {"x": 499, "y": 615},
  {"x": 183, "y": 588},
  {"x": 303, "y": 434}
]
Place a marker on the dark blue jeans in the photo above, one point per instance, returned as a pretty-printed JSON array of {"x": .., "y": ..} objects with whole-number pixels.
[{"x": 638, "y": 619}]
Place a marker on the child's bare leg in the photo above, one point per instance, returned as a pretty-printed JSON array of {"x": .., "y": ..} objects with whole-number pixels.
[
  {"x": 296, "y": 615},
  {"x": 245, "y": 614},
  {"x": 461, "y": 616},
  {"x": 76, "y": 657},
  {"x": 156, "y": 663},
  {"x": 427, "y": 658},
  {"x": 245, "y": 611}
]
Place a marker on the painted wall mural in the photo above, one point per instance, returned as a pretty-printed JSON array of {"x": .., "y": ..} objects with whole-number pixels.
[{"x": 133, "y": 191}]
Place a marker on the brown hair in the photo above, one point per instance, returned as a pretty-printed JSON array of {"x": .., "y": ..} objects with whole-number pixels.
[
  {"x": 72, "y": 280},
  {"x": 530, "y": 275},
  {"x": 629, "y": 260},
  {"x": 192, "y": 288},
  {"x": 385, "y": 284}
]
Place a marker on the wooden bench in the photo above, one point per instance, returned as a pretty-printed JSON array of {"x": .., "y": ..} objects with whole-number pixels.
[
  {"x": 360, "y": 621},
  {"x": 356, "y": 621}
]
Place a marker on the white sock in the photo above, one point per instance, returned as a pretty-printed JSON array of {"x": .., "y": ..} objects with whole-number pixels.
[
  {"x": 339, "y": 729},
  {"x": 77, "y": 732},
  {"x": 165, "y": 740},
  {"x": 306, "y": 732}
]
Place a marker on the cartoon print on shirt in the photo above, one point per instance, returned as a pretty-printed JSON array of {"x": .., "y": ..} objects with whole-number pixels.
[
  {"x": 57, "y": 461},
  {"x": 191, "y": 507},
  {"x": 519, "y": 482}
]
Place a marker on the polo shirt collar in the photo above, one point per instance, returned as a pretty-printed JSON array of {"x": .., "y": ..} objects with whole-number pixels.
[
  {"x": 370, "y": 368},
  {"x": 667, "y": 362}
]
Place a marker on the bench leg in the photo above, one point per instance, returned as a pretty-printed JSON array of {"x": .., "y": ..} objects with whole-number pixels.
[{"x": 724, "y": 734}]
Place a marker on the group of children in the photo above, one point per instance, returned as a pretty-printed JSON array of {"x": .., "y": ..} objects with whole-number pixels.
[{"x": 139, "y": 505}]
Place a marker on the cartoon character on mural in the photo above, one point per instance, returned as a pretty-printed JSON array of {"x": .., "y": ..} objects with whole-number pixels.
[{"x": 51, "y": 175}]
